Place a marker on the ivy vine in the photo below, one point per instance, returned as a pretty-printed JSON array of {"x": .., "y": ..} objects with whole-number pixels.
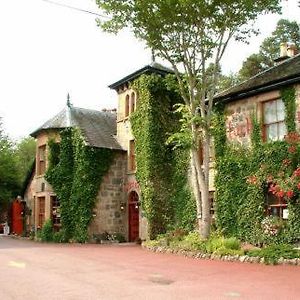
[
  {"x": 161, "y": 171},
  {"x": 288, "y": 96},
  {"x": 75, "y": 173},
  {"x": 240, "y": 206}
]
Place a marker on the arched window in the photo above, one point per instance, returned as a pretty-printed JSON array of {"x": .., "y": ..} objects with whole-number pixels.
[
  {"x": 127, "y": 106},
  {"x": 132, "y": 102}
]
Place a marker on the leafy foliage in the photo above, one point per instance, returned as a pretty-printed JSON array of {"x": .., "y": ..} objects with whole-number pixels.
[
  {"x": 75, "y": 172},
  {"x": 245, "y": 176},
  {"x": 46, "y": 232},
  {"x": 288, "y": 96},
  {"x": 190, "y": 34},
  {"x": 216, "y": 244},
  {"x": 25, "y": 154},
  {"x": 161, "y": 172},
  {"x": 9, "y": 177},
  {"x": 273, "y": 253}
]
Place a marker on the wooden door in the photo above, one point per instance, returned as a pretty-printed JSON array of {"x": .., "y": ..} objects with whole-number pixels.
[{"x": 133, "y": 216}]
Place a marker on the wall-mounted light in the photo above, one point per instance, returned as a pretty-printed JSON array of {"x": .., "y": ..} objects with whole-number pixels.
[{"x": 122, "y": 206}]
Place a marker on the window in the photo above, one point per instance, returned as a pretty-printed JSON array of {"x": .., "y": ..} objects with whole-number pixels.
[
  {"x": 275, "y": 206},
  {"x": 55, "y": 212},
  {"x": 132, "y": 102},
  {"x": 127, "y": 106},
  {"x": 132, "y": 163},
  {"x": 41, "y": 161},
  {"x": 273, "y": 118},
  {"x": 41, "y": 211}
]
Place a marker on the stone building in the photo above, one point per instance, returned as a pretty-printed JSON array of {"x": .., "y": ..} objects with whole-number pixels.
[
  {"x": 261, "y": 97},
  {"x": 117, "y": 207}
]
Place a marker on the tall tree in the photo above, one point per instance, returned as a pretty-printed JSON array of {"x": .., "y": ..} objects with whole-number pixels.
[
  {"x": 190, "y": 34},
  {"x": 24, "y": 154},
  {"x": 285, "y": 31},
  {"x": 9, "y": 180}
]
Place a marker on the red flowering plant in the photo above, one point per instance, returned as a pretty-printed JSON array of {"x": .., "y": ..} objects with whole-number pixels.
[{"x": 285, "y": 184}]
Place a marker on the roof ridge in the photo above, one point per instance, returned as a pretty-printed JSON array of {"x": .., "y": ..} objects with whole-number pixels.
[{"x": 260, "y": 74}]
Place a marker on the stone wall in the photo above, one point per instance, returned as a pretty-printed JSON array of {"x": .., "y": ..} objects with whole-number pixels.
[
  {"x": 238, "y": 115},
  {"x": 41, "y": 187},
  {"x": 108, "y": 213}
]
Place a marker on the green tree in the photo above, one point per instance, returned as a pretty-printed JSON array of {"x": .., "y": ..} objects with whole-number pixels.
[
  {"x": 25, "y": 154},
  {"x": 9, "y": 180},
  {"x": 285, "y": 31},
  {"x": 190, "y": 34}
]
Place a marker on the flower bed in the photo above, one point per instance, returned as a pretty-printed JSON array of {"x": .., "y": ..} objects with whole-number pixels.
[{"x": 233, "y": 258}]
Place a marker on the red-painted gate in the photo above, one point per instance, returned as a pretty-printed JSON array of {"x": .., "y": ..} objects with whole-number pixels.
[{"x": 17, "y": 217}]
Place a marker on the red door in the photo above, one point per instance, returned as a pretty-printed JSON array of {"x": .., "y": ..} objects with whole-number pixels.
[
  {"x": 17, "y": 217},
  {"x": 133, "y": 216}
]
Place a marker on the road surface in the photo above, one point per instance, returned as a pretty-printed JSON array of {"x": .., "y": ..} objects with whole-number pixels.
[{"x": 30, "y": 270}]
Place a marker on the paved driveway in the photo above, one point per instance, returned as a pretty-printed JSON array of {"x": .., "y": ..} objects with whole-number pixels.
[{"x": 32, "y": 271}]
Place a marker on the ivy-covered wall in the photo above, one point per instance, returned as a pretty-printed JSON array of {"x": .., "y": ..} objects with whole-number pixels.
[
  {"x": 75, "y": 173},
  {"x": 161, "y": 171},
  {"x": 245, "y": 175}
]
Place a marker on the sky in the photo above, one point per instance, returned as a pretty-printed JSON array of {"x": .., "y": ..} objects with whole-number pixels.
[{"x": 48, "y": 51}]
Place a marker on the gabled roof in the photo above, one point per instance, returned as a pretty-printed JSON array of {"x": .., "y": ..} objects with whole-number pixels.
[
  {"x": 97, "y": 127},
  {"x": 154, "y": 67},
  {"x": 283, "y": 74}
]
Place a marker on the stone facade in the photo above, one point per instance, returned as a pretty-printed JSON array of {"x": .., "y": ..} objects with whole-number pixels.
[
  {"x": 38, "y": 188},
  {"x": 110, "y": 213},
  {"x": 239, "y": 113},
  {"x": 127, "y": 102}
]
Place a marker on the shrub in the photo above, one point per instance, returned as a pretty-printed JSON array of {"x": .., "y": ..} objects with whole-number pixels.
[
  {"x": 191, "y": 242},
  {"x": 105, "y": 236},
  {"x": 223, "y": 246},
  {"x": 232, "y": 243},
  {"x": 60, "y": 237},
  {"x": 46, "y": 233},
  {"x": 118, "y": 237},
  {"x": 225, "y": 251},
  {"x": 273, "y": 253}
]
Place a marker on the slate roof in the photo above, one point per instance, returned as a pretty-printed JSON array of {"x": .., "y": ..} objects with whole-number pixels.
[
  {"x": 98, "y": 128},
  {"x": 285, "y": 73},
  {"x": 154, "y": 67}
]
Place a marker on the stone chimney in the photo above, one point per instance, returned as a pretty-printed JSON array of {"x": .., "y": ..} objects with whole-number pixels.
[
  {"x": 291, "y": 50},
  {"x": 283, "y": 49},
  {"x": 287, "y": 50}
]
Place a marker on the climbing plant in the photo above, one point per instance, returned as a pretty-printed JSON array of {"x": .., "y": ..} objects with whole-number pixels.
[
  {"x": 75, "y": 173},
  {"x": 245, "y": 175},
  {"x": 161, "y": 171}
]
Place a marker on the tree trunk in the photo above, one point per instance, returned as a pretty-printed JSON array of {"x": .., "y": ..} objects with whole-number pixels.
[
  {"x": 196, "y": 192},
  {"x": 201, "y": 193},
  {"x": 201, "y": 189},
  {"x": 206, "y": 217}
]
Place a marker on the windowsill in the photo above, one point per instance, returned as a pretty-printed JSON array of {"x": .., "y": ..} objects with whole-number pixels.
[
  {"x": 40, "y": 176},
  {"x": 131, "y": 172}
]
